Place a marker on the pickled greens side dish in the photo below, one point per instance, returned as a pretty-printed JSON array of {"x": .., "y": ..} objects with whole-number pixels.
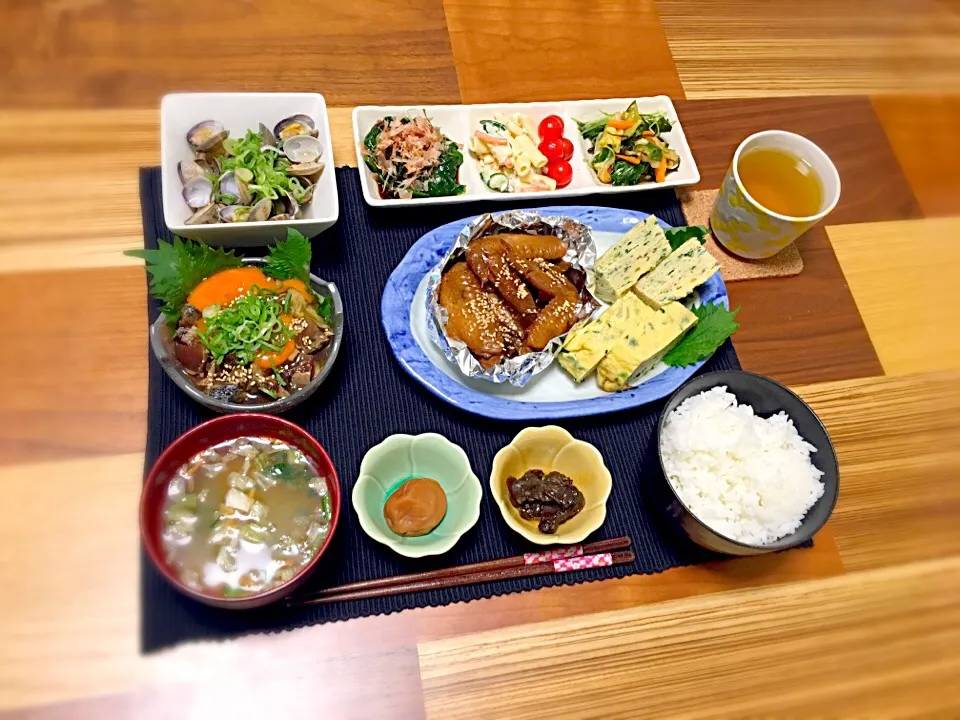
[
  {"x": 244, "y": 516},
  {"x": 412, "y": 158},
  {"x": 627, "y": 148}
]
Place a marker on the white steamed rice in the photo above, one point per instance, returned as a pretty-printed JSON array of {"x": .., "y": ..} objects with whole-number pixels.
[{"x": 747, "y": 478}]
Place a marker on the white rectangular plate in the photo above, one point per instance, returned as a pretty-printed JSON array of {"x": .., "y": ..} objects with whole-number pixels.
[
  {"x": 459, "y": 121},
  {"x": 239, "y": 112}
]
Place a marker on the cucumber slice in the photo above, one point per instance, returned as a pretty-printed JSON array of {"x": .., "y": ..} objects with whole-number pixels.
[
  {"x": 491, "y": 126},
  {"x": 498, "y": 182}
]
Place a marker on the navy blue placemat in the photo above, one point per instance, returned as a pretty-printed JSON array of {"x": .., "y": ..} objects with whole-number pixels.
[{"x": 367, "y": 397}]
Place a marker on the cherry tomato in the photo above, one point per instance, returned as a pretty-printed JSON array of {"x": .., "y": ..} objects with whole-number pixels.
[
  {"x": 552, "y": 149},
  {"x": 560, "y": 171},
  {"x": 567, "y": 148},
  {"x": 551, "y": 128}
]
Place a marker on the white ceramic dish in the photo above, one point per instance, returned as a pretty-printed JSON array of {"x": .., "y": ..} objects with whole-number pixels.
[
  {"x": 238, "y": 112},
  {"x": 459, "y": 121}
]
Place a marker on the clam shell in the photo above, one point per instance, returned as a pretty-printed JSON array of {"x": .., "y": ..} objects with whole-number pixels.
[
  {"x": 260, "y": 211},
  {"x": 206, "y": 135},
  {"x": 190, "y": 170},
  {"x": 290, "y": 205},
  {"x": 307, "y": 169},
  {"x": 266, "y": 136},
  {"x": 198, "y": 192},
  {"x": 302, "y": 149},
  {"x": 230, "y": 184},
  {"x": 234, "y": 213},
  {"x": 295, "y": 125},
  {"x": 308, "y": 195},
  {"x": 206, "y": 215}
]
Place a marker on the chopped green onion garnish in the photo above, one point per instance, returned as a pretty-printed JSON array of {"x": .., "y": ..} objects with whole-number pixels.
[
  {"x": 247, "y": 327},
  {"x": 261, "y": 167}
]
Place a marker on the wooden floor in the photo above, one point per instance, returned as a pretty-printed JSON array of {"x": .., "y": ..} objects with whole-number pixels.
[{"x": 864, "y": 624}]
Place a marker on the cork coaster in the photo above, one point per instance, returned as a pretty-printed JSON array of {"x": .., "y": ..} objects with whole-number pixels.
[{"x": 697, "y": 206}]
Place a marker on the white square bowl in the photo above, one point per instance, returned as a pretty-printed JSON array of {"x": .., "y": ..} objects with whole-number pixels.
[{"x": 239, "y": 112}]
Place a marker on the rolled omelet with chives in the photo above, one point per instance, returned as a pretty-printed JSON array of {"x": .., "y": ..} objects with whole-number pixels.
[
  {"x": 676, "y": 277},
  {"x": 643, "y": 345},
  {"x": 588, "y": 344}
]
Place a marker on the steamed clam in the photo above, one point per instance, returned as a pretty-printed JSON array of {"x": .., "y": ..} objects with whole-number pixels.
[
  {"x": 198, "y": 192},
  {"x": 234, "y": 213},
  {"x": 209, "y": 162},
  {"x": 259, "y": 174},
  {"x": 190, "y": 170},
  {"x": 267, "y": 136},
  {"x": 306, "y": 195},
  {"x": 285, "y": 207},
  {"x": 260, "y": 210},
  {"x": 306, "y": 169},
  {"x": 206, "y": 135},
  {"x": 231, "y": 185},
  {"x": 204, "y": 216},
  {"x": 295, "y": 125},
  {"x": 302, "y": 149}
]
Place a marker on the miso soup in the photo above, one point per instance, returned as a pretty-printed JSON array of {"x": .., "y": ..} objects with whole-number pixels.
[{"x": 245, "y": 516}]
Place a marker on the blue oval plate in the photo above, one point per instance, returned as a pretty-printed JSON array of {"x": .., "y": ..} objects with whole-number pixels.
[{"x": 552, "y": 393}]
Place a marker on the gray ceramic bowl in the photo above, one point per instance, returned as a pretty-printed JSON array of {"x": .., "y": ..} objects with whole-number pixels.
[
  {"x": 161, "y": 340},
  {"x": 767, "y": 398}
]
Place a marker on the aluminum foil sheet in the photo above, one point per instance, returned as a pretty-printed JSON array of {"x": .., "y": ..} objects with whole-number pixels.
[{"x": 581, "y": 254}]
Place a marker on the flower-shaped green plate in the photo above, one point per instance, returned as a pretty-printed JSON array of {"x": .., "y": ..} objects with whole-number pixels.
[{"x": 401, "y": 457}]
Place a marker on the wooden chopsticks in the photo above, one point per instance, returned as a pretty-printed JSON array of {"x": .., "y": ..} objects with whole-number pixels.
[{"x": 547, "y": 562}]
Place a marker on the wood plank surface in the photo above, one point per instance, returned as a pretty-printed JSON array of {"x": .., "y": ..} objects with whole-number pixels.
[
  {"x": 95, "y": 324},
  {"x": 903, "y": 277},
  {"x": 804, "y": 329},
  {"x": 327, "y": 688},
  {"x": 898, "y": 443},
  {"x": 745, "y": 48},
  {"x": 69, "y": 617},
  {"x": 114, "y": 53},
  {"x": 95, "y": 186},
  {"x": 861, "y": 645},
  {"x": 523, "y": 50},
  {"x": 934, "y": 118}
]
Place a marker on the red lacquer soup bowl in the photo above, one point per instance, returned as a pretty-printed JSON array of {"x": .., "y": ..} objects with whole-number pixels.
[{"x": 214, "y": 432}]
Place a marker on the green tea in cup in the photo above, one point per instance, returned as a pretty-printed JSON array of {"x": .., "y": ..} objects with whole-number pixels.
[
  {"x": 779, "y": 185},
  {"x": 781, "y": 181}
]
